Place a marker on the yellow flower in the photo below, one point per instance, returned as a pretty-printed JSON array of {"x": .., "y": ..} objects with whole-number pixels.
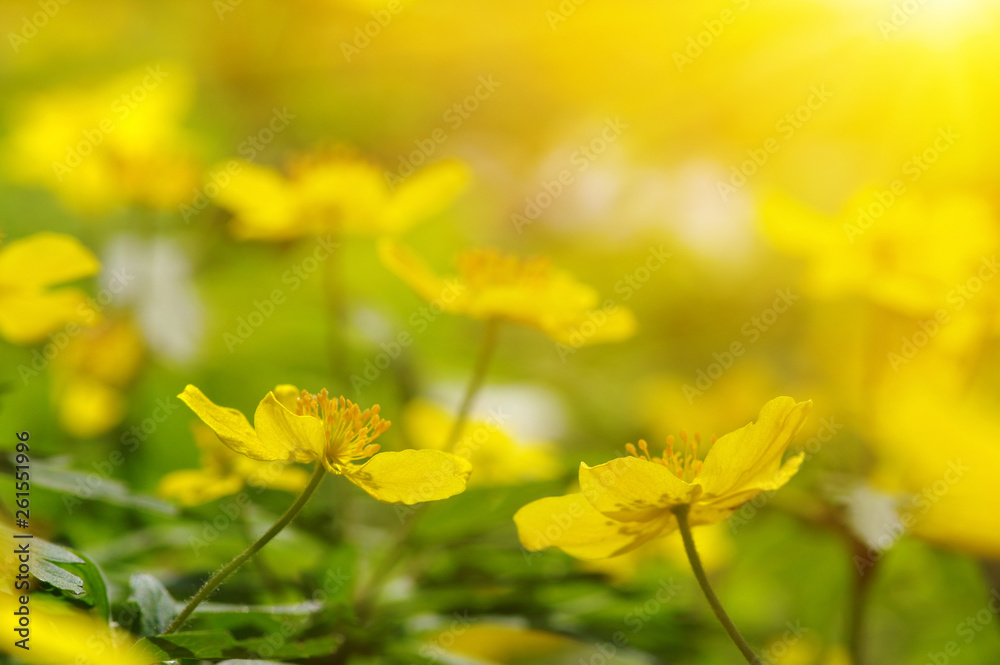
[
  {"x": 908, "y": 255},
  {"x": 29, "y": 310},
  {"x": 295, "y": 426},
  {"x": 60, "y": 636},
  {"x": 492, "y": 285},
  {"x": 795, "y": 649},
  {"x": 495, "y": 457},
  {"x": 335, "y": 194},
  {"x": 110, "y": 144},
  {"x": 222, "y": 473},
  {"x": 667, "y": 402},
  {"x": 92, "y": 374},
  {"x": 494, "y": 643},
  {"x": 938, "y": 450},
  {"x": 629, "y": 500},
  {"x": 714, "y": 549}
]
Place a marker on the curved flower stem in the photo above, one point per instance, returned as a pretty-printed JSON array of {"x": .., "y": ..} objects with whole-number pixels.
[
  {"x": 218, "y": 578},
  {"x": 486, "y": 349},
  {"x": 682, "y": 521}
]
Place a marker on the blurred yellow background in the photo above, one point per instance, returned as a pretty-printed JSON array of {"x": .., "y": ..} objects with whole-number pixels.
[{"x": 775, "y": 197}]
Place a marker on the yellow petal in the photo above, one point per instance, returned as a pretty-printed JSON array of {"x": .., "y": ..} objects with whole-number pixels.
[
  {"x": 795, "y": 228},
  {"x": 230, "y": 426},
  {"x": 44, "y": 259},
  {"x": 301, "y": 438},
  {"x": 714, "y": 549},
  {"x": 750, "y": 458},
  {"x": 412, "y": 270},
  {"x": 424, "y": 194},
  {"x": 263, "y": 204},
  {"x": 28, "y": 316},
  {"x": 427, "y": 425},
  {"x": 89, "y": 408},
  {"x": 290, "y": 479},
  {"x": 496, "y": 458},
  {"x": 595, "y": 327},
  {"x": 634, "y": 489},
  {"x": 60, "y": 635},
  {"x": 621, "y": 324},
  {"x": 496, "y": 643},
  {"x": 710, "y": 510},
  {"x": 193, "y": 487},
  {"x": 110, "y": 352},
  {"x": 411, "y": 476},
  {"x": 288, "y": 395},
  {"x": 573, "y": 525},
  {"x": 339, "y": 193}
]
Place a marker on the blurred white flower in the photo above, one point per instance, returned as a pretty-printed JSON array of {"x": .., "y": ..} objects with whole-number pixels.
[
  {"x": 873, "y": 516},
  {"x": 529, "y": 412},
  {"x": 162, "y": 293}
]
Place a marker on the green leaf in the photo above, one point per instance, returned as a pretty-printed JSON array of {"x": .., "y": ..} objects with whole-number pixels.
[
  {"x": 216, "y": 644},
  {"x": 70, "y": 571},
  {"x": 48, "y": 572},
  {"x": 53, "y": 476},
  {"x": 94, "y": 582},
  {"x": 157, "y": 608}
]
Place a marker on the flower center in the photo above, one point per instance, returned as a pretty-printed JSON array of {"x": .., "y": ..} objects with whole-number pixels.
[
  {"x": 484, "y": 268},
  {"x": 349, "y": 430},
  {"x": 682, "y": 460}
]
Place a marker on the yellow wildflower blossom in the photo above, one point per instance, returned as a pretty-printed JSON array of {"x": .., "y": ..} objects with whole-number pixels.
[
  {"x": 92, "y": 374},
  {"x": 940, "y": 465},
  {"x": 296, "y": 426},
  {"x": 630, "y": 500},
  {"x": 114, "y": 143},
  {"x": 715, "y": 548},
  {"x": 495, "y": 643},
  {"x": 59, "y": 634},
  {"x": 29, "y": 310},
  {"x": 910, "y": 255},
  {"x": 335, "y": 194},
  {"x": 222, "y": 473},
  {"x": 495, "y": 286},
  {"x": 495, "y": 457}
]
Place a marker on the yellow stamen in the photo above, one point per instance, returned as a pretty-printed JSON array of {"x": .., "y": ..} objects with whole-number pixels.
[
  {"x": 483, "y": 268},
  {"x": 349, "y": 430},
  {"x": 683, "y": 462}
]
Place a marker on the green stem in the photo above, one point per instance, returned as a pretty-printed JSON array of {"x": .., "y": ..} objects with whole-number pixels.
[
  {"x": 490, "y": 334},
  {"x": 699, "y": 572},
  {"x": 859, "y": 599},
  {"x": 213, "y": 582}
]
